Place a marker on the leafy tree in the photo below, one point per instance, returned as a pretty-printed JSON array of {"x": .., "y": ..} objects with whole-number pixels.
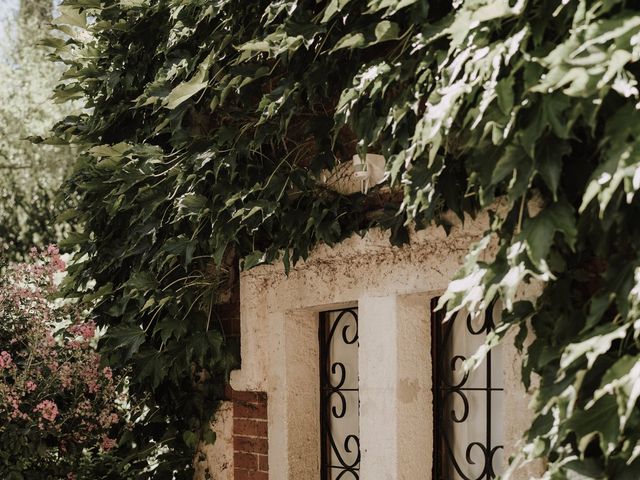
[
  {"x": 210, "y": 124},
  {"x": 38, "y": 10},
  {"x": 29, "y": 174}
]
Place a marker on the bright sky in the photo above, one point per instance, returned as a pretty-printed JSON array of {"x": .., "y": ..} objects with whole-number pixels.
[{"x": 8, "y": 8}]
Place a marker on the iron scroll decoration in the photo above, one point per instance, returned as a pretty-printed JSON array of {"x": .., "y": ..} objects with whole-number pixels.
[
  {"x": 446, "y": 389},
  {"x": 340, "y": 457}
]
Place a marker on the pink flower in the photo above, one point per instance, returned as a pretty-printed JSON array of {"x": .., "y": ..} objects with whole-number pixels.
[
  {"x": 48, "y": 410},
  {"x": 30, "y": 386},
  {"x": 88, "y": 330},
  {"x": 92, "y": 386},
  {"x": 15, "y": 405},
  {"x": 5, "y": 360},
  {"x": 65, "y": 374},
  {"x": 58, "y": 263},
  {"x": 108, "y": 443}
]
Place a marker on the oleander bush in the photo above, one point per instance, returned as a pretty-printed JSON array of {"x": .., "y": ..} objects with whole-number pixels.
[{"x": 60, "y": 408}]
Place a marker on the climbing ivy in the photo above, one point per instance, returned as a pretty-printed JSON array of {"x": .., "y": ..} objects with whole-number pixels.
[{"x": 209, "y": 125}]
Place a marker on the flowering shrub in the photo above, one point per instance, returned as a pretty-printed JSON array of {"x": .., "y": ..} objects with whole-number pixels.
[{"x": 58, "y": 405}]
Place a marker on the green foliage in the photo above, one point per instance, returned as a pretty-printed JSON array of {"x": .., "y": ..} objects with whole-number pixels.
[
  {"x": 29, "y": 174},
  {"x": 210, "y": 124}
]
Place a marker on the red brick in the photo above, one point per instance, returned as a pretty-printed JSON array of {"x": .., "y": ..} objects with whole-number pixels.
[
  {"x": 250, "y": 427},
  {"x": 228, "y": 392},
  {"x": 247, "y": 461},
  {"x": 249, "y": 410},
  {"x": 250, "y": 444},
  {"x": 263, "y": 463},
  {"x": 254, "y": 397},
  {"x": 240, "y": 474}
]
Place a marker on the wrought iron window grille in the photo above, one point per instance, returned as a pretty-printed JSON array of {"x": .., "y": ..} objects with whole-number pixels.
[
  {"x": 450, "y": 391},
  {"x": 339, "y": 395}
]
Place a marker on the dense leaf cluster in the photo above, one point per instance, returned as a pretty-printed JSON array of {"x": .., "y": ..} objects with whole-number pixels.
[{"x": 210, "y": 124}]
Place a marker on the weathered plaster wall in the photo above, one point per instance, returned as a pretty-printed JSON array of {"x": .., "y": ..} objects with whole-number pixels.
[
  {"x": 216, "y": 461},
  {"x": 339, "y": 275}
]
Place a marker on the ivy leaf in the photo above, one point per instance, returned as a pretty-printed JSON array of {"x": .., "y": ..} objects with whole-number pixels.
[
  {"x": 185, "y": 90},
  {"x": 171, "y": 327},
  {"x": 601, "y": 421},
  {"x": 351, "y": 40},
  {"x": 549, "y": 163},
  {"x": 386, "y": 30},
  {"x": 191, "y": 204},
  {"x": 190, "y": 438},
  {"x": 334, "y": 7},
  {"x": 142, "y": 281},
  {"x": 504, "y": 91},
  {"x": 623, "y": 380},
  {"x": 153, "y": 365},
  {"x": 276, "y": 8},
  {"x": 539, "y": 231},
  {"x": 253, "y": 259},
  {"x": 509, "y": 161},
  {"x": 598, "y": 343},
  {"x": 125, "y": 337},
  {"x": 382, "y": 32},
  {"x": 391, "y": 6}
]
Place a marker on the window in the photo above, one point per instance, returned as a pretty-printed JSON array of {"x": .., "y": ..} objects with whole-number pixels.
[
  {"x": 339, "y": 395},
  {"x": 468, "y": 442}
]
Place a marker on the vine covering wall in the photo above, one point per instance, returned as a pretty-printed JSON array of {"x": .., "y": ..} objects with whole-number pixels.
[{"x": 208, "y": 125}]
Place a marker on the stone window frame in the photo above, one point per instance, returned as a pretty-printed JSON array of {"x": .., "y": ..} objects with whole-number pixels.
[{"x": 392, "y": 287}]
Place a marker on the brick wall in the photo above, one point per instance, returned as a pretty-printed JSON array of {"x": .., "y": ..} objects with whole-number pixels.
[
  {"x": 250, "y": 438},
  {"x": 229, "y": 319}
]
